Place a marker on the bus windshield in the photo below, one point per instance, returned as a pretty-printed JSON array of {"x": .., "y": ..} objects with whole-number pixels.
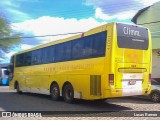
[{"x": 132, "y": 37}]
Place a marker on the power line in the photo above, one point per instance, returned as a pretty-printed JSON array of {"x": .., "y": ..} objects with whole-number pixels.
[
  {"x": 40, "y": 36},
  {"x": 50, "y": 35},
  {"x": 149, "y": 23},
  {"x": 155, "y": 32}
]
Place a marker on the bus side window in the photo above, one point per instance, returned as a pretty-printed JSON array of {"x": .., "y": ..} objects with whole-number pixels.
[
  {"x": 12, "y": 60},
  {"x": 51, "y": 54},
  {"x": 59, "y": 52},
  {"x": 67, "y": 51},
  {"x": 99, "y": 44},
  {"x": 33, "y": 58},
  {"x": 87, "y": 52},
  {"x": 77, "y": 49},
  {"x": 27, "y": 58},
  {"x": 48, "y": 54},
  {"x": 19, "y": 60},
  {"x": 11, "y": 67},
  {"x": 44, "y": 53},
  {"x": 37, "y": 56}
]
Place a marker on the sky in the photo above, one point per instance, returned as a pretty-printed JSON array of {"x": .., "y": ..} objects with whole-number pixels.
[{"x": 51, "y": 17}]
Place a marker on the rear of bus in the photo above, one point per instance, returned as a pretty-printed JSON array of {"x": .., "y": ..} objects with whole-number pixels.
[{"x": 131, "y": 60}]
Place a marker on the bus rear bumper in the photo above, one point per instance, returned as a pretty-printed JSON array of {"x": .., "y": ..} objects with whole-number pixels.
[{"x": 126, "y": 92}]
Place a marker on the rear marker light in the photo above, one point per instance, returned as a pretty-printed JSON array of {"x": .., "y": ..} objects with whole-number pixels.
[
  {"x": 111, "y": 79},
  {"x": 82, "y": 35}
]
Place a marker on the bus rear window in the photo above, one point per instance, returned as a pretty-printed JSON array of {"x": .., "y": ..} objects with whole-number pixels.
[{"x": 132, "y": 37}]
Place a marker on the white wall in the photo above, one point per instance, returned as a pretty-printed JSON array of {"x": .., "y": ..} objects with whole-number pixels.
[{"x": 156, "y": 63}]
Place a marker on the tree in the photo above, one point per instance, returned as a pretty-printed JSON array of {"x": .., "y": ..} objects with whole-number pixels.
[{"x": 8, "y": 38}]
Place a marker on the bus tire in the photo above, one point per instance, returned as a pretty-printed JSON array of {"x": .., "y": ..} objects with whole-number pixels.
[
  {"x": 55, "y": 92},
  {"x": 68, "y": 93},
  {"x": 155, "y": 96},
  {"x": 17, "y": 88}
]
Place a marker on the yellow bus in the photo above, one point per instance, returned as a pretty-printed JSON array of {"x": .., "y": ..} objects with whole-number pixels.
[{"x": 112, "y": 60}]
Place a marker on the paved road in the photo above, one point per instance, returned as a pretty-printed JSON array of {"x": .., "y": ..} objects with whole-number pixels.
[{"x": 11, "y": 101}]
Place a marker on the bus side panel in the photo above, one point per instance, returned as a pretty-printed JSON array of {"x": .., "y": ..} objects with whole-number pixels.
[{"x": 78, "y": 74}]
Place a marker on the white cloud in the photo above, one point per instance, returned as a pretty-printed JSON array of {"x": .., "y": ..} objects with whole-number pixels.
[
  {"x": 121, "y": 10},
  {"x": 98, "y": 3},
  {"x": 12, "y": 9},
  {"x": 26, "y": 46},
  {"x": 47, "y": 25},
  {"x": 1, "y": 59},
  {"x": 8, "y": 55},
  {"x": 93, "y": 2},
  {"x": 120, "y": 16},
  {"x": 19, "y": 13},
  {"x": 9, "y": 3},
  {"x": 148, "y": 2}
]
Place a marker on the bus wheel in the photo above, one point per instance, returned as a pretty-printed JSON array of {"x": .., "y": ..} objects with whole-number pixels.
[
  {"x": 55, "y": 93},
  {"x": 68, "y": 93},
  {"x": 17, "y": 88},
  {"x": 155, "y": 97}
]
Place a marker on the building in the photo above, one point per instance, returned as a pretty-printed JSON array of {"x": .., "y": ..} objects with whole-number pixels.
[{"x": 149, "y": 17}]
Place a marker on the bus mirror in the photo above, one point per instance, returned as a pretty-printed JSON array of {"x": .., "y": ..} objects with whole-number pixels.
[{"x": 6, "y": 72}]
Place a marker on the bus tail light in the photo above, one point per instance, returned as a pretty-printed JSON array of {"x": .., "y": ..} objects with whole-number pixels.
[
  {"x": 111, "y": 79},
  {"x": 149, "y": 81}
]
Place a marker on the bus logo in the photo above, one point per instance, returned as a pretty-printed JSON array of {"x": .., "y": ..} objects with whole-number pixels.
[{"x": 132, "y": 82}]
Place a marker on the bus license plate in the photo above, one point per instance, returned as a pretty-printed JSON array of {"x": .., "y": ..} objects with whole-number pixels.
[{"x": 132, "y": 82}]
